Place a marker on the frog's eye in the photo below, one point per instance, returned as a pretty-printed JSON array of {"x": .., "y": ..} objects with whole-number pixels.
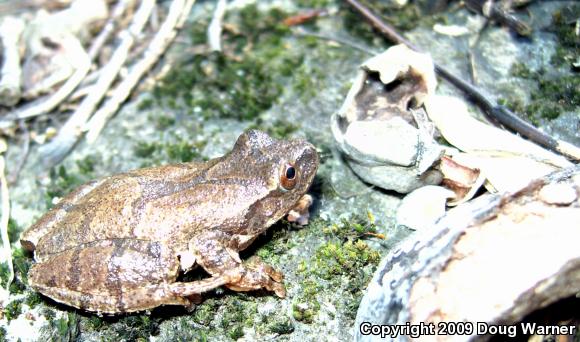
[{"x": 288, "y": 177}]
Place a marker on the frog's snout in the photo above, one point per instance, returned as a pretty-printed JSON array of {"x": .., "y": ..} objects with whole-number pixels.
[{"x": 308, "y": 161}]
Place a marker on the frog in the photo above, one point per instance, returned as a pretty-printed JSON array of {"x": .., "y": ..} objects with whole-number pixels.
[{"x": 119, "y": 244}]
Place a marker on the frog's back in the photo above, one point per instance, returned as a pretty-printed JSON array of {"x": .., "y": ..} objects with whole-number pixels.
[{"x": 106, "y": 208}]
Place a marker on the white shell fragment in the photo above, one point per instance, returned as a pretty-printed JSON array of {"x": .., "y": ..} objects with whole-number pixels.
[
  {"x": 468, "y": 134},
  {"x": 380, "y": 127},
  {"x": 400, "y": 62},
  {"x": 558, "y": 193},
  {"x": 374, "y": 137},
  {"x": 507, "y": 161},
  {"x": 451, "y": 30},
  {"x": 422, "y": 208}
]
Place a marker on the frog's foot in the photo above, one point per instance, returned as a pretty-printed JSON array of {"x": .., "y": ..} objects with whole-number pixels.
[
  {"x": 256, "y": 275},
  {"x": 300, "y": 213}
]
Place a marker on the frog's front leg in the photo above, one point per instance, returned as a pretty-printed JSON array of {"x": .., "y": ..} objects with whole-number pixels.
[
  {"x": 300, "y": 213},
  {"x": 217, "y": 253}
]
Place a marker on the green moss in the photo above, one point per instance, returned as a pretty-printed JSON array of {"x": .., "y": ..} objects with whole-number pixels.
[
  {"x": 4, "y": 273},
  {"x": 563, "y": 25},
  {"x": 238, "y": 309},
  {"x": 13, "y": 309},
  {"x": 306, "y": 305},
  {"x": 304, "y": 314},
  {"x": 334, "y": 258},
  {"x": 403, "y": 19},
  {"x": 198, "y": 31},
  {"x": 313, "y": 3},
  {"x": 62, "y": 181},
  {"x": 65, "y": 328},
  {"x": 343, "y": 262},
  {"x": 277, "y": 243},
  {"x": 163, "y": 121},
  {"x": 544, "y": 109},
  {"x": 48, "y": 313},
  {"x": 239, "y": 84},
  {"x": 205, "y": 312},
  {"x": 257, "y": 66},
  {"x": 358, "y": 28},
  {"x": 279, "y": 129},
  {"x": 562, "y": 91},
  {"x": 228, "y": 314},
  {"x": 33, "y": 299},
  {"x": 236, "y": 332},
  {"x": 221, "y": 86},
  {"x": 122, "y": 328},
  {"x": 94, "y": 323},
  {"x": 13, "y": 231},
  {"x": 183, "y": 330},
  {"x": 552, "y": 96},
  {"x": 354, "y": 228},
  {"x": 520, "y": 70},
  {"x": 138, "y": 327},
  {"x": 143, "y": 149},
  {"x": 87, "y": 165},
  {"x": 2, "y": 334},
  {"x": 145, "y": 104},
  {"x": 262, "y": 27},
  {"x": 21, "y": 263},
  {"x": 181, "y": 151},
  {"x": 280, "y": 325}
]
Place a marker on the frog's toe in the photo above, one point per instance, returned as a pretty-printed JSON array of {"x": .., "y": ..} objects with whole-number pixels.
[
  {"x": 256, "y": 263},
  {"x": 277, "y": 276},
  {"x": 257, "y": 275},
  {"x": 278, "y": 289}
]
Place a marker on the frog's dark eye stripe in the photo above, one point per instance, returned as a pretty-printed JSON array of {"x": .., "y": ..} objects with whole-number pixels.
[{"x": 288, "y": 177}]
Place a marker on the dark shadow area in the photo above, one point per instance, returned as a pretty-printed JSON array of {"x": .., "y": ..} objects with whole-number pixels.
[{"x": 563, "y": 312}]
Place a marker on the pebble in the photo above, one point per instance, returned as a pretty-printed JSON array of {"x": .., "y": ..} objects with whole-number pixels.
[{"x": 559, "y": 193}]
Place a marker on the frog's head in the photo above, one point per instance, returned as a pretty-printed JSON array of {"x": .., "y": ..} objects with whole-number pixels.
[{"x": 284, "y": 169}]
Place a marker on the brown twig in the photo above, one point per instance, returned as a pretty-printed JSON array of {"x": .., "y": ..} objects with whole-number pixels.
[
  {"x": 494, "y": 12},
  {"x": 7, "y": 251},
  {"x": 339, "y": 40},
  {"x": 498, "y": 112},
  {"x": 69, "y": 134},
  {"x": 214, "y": 30},
  {"x": 11, "y": 30},
  {"x": 24, "y": 154},
  {"x": 109, "y": 28},
  {"x": 47, "y": 103},
  {"x": 178, "y": 12}
]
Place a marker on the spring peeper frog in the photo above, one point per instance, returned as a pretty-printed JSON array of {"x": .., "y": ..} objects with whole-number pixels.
[{"x": 118, "y": 244}]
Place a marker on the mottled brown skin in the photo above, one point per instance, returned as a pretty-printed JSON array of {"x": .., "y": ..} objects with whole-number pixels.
[{"x": 118, "y": 244}]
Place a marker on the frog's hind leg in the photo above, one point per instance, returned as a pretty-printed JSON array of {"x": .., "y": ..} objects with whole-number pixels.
[
  {"x": 192, "y": 288},
  {"x": 213, "y": 253},
  {"x": 118, "y": 275}
]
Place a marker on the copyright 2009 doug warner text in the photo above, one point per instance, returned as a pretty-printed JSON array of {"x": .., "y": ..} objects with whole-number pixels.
[{"x": 461, "y": 328}]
